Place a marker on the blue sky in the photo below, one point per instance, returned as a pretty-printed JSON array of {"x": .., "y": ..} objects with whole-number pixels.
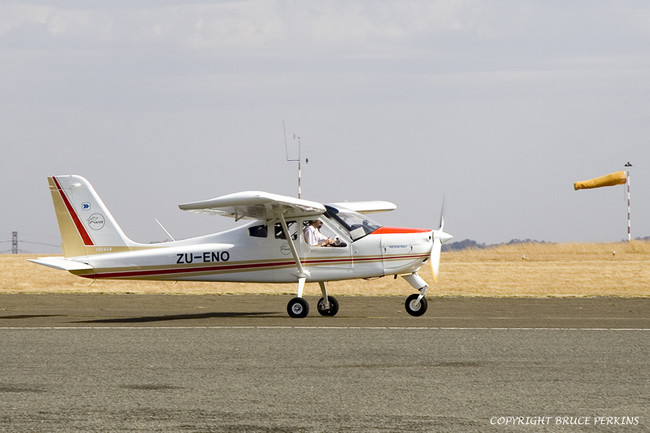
[{"x": 499, "y": 106}]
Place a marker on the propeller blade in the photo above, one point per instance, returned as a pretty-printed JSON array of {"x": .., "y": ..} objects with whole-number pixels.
[
  {"x": 439, "y": 238},
  {"x": 436, "y": 249},
  {"x": 441, "y": 226}
]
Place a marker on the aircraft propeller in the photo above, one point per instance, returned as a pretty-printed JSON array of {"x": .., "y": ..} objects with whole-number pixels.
[{"x": 439, "y": 237}]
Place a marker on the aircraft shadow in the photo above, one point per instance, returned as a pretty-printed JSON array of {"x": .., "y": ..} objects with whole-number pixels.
[{"x": 147, "y": 319}]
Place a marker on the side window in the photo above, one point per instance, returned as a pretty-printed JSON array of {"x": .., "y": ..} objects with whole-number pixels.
[
  {"x": 279, "y": 233},
  {"x": 325, "y": 231},
  {"x": 260, "y": 231}
]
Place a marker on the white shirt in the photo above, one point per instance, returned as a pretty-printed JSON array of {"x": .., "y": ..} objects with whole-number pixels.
[{"x": 313, "y": 236}]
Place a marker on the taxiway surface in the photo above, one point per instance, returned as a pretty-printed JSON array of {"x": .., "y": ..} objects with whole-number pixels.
[{"x": 238, "y": 363}]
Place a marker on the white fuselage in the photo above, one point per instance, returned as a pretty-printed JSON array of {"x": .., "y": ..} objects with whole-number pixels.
[{"x": 259, "y": 252}]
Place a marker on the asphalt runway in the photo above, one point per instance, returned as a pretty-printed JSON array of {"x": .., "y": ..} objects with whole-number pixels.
[{"x": 164, "y": 363}]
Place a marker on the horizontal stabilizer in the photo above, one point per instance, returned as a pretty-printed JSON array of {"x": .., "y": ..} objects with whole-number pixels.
[{"x": 61, "y": 263}]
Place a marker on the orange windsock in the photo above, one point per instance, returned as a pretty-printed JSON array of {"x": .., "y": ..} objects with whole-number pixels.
[{"x": 618, "y": 178}]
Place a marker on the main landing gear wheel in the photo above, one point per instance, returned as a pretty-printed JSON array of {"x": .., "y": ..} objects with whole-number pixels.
[
  {"x": 332, "y": 310},
  {"x": 298, "y": 308},
  {"x": 415, "y": 308}
]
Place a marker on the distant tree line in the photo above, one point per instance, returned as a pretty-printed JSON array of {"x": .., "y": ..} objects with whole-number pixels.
[{"x": 472, "y": 244}]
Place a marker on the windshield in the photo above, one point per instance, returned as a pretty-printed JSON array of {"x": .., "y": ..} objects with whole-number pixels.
[{"x": 356, "y": 224}]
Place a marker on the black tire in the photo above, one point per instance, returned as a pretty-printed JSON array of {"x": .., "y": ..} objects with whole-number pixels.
[
  {"x": 415, "y": 310},
  {"x": 332, "y": 310},
  {"x": 298, "y": 308}
]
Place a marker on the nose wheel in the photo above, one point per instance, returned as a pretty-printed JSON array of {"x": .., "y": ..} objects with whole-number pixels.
[{"x": 416, "y": 305}]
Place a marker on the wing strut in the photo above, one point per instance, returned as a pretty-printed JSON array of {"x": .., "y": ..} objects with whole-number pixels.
[
  {"x": 297, "y": 307},
  {"x": 302, "y": 274}
]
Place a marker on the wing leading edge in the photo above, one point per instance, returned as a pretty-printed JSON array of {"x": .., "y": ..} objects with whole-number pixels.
[
  {"x": 256, "y": 205},
  {"x": 367, "y": 206}
]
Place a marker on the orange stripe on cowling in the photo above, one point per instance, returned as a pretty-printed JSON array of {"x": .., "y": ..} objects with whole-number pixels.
[
  {"x": 397, "y": 230},
  {"x": 77, "y": 222}
]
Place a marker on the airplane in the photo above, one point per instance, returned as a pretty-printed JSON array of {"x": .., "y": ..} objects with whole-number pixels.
[{"x": 271, "y": 248}]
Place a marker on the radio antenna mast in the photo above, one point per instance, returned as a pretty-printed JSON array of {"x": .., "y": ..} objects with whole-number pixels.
[{"x": 299, "y": 160}]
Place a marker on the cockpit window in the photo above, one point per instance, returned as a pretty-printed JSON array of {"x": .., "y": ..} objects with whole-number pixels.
[
  {"x": 356, "y": 224},
  {"x": 260, "y": 231},
  {"x": 279, "y": 232}
]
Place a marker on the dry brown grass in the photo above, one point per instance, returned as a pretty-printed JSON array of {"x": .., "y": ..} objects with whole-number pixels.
[
  {"x": 539, "y": 270},
  {"x": 548, "y": 270}
]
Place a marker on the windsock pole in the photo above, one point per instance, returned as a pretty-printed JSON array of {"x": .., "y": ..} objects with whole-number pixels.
[
  {"x": 629, "y": 217},
  {"x": 617, "y": 178}
]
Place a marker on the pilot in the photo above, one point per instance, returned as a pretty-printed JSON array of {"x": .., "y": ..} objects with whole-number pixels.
[{"x": 314, "y": 237}]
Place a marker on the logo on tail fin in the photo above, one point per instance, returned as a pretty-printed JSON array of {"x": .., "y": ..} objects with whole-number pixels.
[{"x": 96, "y": 221}]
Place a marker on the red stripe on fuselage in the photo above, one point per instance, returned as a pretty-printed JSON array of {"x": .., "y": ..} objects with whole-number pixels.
[
  {"x": 77, "y": 222},
  {"x": 263, "y": 266},
  {"x": 397, "y": 230},
  {"x": 220, "y": 268}
]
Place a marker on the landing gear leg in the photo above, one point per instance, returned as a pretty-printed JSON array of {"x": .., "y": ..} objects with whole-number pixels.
[
  {"x": 298, "y": 307},
  {"x": 327, "y": 305},
  {"x": 416, "y": 304}
]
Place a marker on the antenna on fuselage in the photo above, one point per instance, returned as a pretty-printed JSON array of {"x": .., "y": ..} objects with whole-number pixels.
[
  {"x": 164, "y": 229},
  {"x": 299, "y": 160}
]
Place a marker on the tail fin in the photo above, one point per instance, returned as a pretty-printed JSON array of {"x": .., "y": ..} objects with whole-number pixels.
[{"x": 86, "y": 225}]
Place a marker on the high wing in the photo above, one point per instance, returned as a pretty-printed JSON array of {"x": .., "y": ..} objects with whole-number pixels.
[
  {"x": 257, "y": 205},
  {"x": 367, "y": 206}
]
